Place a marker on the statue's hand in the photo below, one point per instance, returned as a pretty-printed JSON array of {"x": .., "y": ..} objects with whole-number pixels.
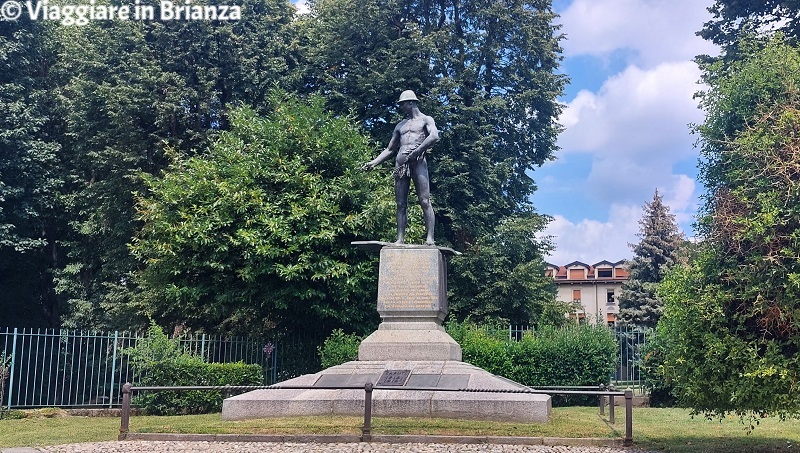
[{"x": 367, "y": 166}]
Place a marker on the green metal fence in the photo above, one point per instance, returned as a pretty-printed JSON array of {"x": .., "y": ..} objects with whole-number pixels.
[{"x": 72, "y": 368}]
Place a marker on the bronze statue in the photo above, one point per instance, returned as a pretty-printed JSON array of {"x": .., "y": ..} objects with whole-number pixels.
[{"x": 411, "y": 138}]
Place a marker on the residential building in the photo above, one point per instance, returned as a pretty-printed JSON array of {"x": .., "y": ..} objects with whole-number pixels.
[{"x": 592, "y": 289}]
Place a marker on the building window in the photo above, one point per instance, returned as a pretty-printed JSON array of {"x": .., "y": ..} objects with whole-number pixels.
[
  {"x": 610, "y": 296},
  {"x": 604, "y": 273},
  {"x": 576, "y": 295}
]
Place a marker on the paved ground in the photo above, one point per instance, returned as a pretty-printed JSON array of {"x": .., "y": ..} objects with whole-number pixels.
[{"x": 285, "y": 447}]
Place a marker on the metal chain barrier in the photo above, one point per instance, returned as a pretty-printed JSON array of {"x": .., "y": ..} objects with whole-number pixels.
[{"x": 369, "y": 388}]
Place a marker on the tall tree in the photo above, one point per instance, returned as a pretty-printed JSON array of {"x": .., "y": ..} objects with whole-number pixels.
[
  {"x": 732, "y": 317},
  {"x": 735, "y": 19},
  {"x": 254, "y": 236},
  {"x": 134, "y": 89},
  {"x": 506, "y": 280},
  {"x": 656, "y": 252},
  {"x": 486, "y": 72},
  {"x": 29, "y": 172}
]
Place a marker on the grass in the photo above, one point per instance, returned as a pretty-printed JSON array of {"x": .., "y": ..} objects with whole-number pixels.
[{"x": 666, "y": 430}]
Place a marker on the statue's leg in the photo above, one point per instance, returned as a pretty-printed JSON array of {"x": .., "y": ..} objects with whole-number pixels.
[
  {"x": 423, "y": 186},
  {"x": 401, "y": 187}
]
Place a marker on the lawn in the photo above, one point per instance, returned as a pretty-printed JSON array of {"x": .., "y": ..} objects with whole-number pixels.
[{"x": 667, "y": 430}]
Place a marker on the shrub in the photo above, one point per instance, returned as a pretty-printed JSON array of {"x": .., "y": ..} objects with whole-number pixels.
[
  {"x": 160, "y": 361},
  {"x": 574, "y": 356},
  {"x": 660, "y": 389},
  {"x": 339, "y": 348},
  {"x": 577, "y": 355},
  {"x": 197, "y": 373}
]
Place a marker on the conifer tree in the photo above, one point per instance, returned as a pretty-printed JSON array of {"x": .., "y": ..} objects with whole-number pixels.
[{"x": 657, "y": 251}]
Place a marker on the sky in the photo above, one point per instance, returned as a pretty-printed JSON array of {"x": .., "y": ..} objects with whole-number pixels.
[{"x": 627, "y": 116}]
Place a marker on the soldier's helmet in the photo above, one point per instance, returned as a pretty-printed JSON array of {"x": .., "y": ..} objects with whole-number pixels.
[{"x": 407, "y": 95}]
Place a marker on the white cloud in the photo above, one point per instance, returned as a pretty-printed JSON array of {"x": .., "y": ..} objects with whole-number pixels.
[
  {"x": 656, "y": 30},
  {"x": 636, "y": 129},
  {"x": 591, "y": 241},
  {"x": 638, "y": 113},
  {"x": 682, "y": 199}
]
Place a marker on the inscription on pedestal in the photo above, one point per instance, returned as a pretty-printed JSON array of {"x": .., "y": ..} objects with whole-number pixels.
[
  {"x": 412, "y": 280},
  {"x": 407, "y": 295},
  {"x": 395, "y": 378}
]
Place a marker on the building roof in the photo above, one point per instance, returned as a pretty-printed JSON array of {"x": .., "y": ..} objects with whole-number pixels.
[{"x": 561, "y": 274}]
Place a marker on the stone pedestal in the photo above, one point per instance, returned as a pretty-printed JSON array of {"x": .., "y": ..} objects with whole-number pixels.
[
  {"x": 412, "y": 303},
  {"x": 410, "y": 350}
]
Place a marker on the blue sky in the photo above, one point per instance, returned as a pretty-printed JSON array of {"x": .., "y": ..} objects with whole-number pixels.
[{"x": 627, "y": 114}]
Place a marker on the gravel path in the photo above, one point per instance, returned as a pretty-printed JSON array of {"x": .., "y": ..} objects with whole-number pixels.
[{"x": 269, "y": 447}]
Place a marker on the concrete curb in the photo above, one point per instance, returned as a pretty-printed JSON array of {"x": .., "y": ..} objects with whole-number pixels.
[{"x": 378, "y": 438}]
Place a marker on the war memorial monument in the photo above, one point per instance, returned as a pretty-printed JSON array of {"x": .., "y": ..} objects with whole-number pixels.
[{"x": 410, "y": 360}]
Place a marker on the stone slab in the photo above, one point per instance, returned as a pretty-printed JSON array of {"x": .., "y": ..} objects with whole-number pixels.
[
  {"x": 415, "y": 345},
  {"x": 377, "y": 246},
  {"x": 518, "y": 407}
]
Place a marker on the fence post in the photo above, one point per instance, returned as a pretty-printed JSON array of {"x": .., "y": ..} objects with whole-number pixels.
[
  {"x": 611, "y": 418},
  {"x": 113, "y": 369},
  {"x": 126, "y": 411},
  {"x": 366, "y": 431},
  {"x": 628, "y": 418},
  {"x": 601, "y": 401},
  {"x": 11, "y": 376}
]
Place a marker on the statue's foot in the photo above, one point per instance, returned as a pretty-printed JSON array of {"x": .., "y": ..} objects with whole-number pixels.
[
  {"x": 400, "y": 241},
  {"x": 430, "y": 242}
]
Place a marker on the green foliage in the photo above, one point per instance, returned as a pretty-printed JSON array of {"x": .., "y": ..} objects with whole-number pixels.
[
  {"x": 157, "y": 347},
  {"x": 502, "y": 278},
  {"x": 575, "y": 356},
  {"x": 484, "y": 71},
  {"x": 160, "y": 361},
  {"x": 29, "y": 176},
  {"x": 128, "y": 91},
  {"x": 339, "y": 348},
  {"x": 255, "y": 235},
  {"x": 732, "y": 316},
  {"x": 659, "y": 387},
  {"x": 196, "y": 373},
  {"x": 658, "y": 250},
  {"x": 734, "y": 19}
]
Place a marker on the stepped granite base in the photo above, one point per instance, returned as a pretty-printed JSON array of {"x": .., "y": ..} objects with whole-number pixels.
[
  {"x": 517, "y": 407},
  {"x": 410, "y": 349}
]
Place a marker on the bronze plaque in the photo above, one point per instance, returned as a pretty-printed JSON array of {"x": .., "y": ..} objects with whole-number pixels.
[{"x": 395, "y": 378}]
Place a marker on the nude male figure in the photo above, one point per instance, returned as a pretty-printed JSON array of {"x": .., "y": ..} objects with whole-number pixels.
[{"x": 411, "y": 138}]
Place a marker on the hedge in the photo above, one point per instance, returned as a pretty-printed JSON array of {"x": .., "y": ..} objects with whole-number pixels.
[
  {"x": 578, "y": 355},
  {"x": 191, "y": 374}
]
